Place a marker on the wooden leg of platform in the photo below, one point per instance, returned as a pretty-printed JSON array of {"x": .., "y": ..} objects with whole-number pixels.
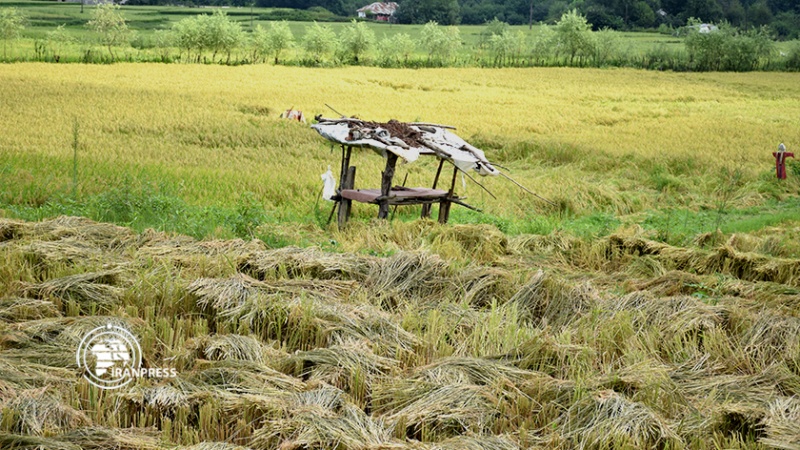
[
  {"x": 386, "y": 185},
  {"x": 346, "y": 204},
  {"x": 444, "y": 211},
  {"x": 444, "y": 206},
  {"x": 426, "y": 208}
]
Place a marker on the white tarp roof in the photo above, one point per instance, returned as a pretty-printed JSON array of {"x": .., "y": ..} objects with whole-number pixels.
[{"x": 437, "y": 141}]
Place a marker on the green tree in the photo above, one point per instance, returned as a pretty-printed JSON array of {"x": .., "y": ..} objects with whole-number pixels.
[
  {"x": 395, "y": 50},
  {"x": 759, "y": 14},
  {"x": 220, "y": 34},
  {"x": 493, "y": 28},
  {"x": 188, "y": 36},
  {"x": 446, "y": 12},
  {"x": 109, "y": 23},
  {"x": 542, "y": 44},
  {"x": 575, "y": 35},
  {"x": 643, "y": 15},
  {"x": 606, "y": 46},
  {"x": 164, "y": 41},
  {"x": 57, "y": 40},
  {"x": 507, "y": 47},
  {"x": 12, "y": 22},
  {"x": 441, "y": 43},
  {"x": 319, "y": 42},
  {"x": 356, "y": 39},
  {"x": 277, "y": 38},
  {"x": 706, "y": 10}
]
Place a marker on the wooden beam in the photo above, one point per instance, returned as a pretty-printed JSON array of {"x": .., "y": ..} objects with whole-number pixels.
[{"x": 426, "y": 124}]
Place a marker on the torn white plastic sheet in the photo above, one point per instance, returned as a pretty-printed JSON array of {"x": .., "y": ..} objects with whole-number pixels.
[
  {"x": 438, "y": 141},
  {"x": 328, "y": 185},
  {"x": 339, "y": 132}
]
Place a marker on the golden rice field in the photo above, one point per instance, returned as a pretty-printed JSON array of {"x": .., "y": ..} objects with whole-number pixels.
[
  {"x": 405, "y": 334},
  {"x": 589, "y": 139}
]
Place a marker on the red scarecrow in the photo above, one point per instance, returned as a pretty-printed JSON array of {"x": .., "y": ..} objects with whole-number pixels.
[{"x": 780, "y": 161}]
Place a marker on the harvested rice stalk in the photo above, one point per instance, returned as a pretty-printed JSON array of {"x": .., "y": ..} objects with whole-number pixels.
[
  {"x": 478, "y": 371},
  {"x": 782, "y": 424},
  {"x": 477, "y": 442},
  {"x": 18, "y": 309},
  {"x": 293, "y": 262},
  {"x": 65, "y": 331},
  {"x": 12, "y": 229},
  {"x": 102, "y": 235},
  {"x": 679, "y": 320},
  {"x": 351, "y": 367},
  {"x": 482, "y": 243},
  {"x": 214, "y": 446},
  {"x": 545, "y": 354},
  {"x": 99, "y": 438},
  {"x": 549, "y": 301},
  {"x": 86, "y": 289},
  {"x": 483, "y": 285},
  {"x": 242, "y": 377},
  {"x": 408, "y": 275},
  {"x": 69, "y": 251},
  {"x": 746, "y": 266},
  {"x": 347, "y": 429},
  {"x": 40, "y": 412},
  {"x": 302, "y": 314},
  {"x": 609, "y": 420},
  {"x": 177, "y": 393},
  {"x": 671, "y": 283},
  {"x": 537, "y": 244},
  {"x": 184, "y": 245},
  {"x": 224, "y": 294},
  {"x": 232, "y": 347},
  {"x": 772, "y": 338},
  {"x": 27, "y": 442},
  {"x": 426, "y": 413},
  {"x": 349, "y": 359},
  {"x": 17, "y": 374}
]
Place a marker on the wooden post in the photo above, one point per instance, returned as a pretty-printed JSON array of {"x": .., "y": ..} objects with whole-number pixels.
[
  {"x": 345, "y": 205},
  {"x": 444, "y": 206},
  {"x": 426, "y": 208},
  {"x": 345, "y": 165},
  {"x": 386, "y": 185}
]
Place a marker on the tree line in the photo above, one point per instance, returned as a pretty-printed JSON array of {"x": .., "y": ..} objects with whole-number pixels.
[
  {"x": 783, "y": 16},
  {"x": 571, "y": 41}
]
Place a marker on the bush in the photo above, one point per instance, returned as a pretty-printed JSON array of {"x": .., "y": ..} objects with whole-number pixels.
[
  {"x": 728, "y": 49},
  {"x": 792, "y": 61}
]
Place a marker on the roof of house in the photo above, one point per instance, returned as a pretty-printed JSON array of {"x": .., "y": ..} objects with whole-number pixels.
[{"x": 383, "y": 8}]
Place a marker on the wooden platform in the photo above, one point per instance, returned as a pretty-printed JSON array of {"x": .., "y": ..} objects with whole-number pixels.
[{"x": 398, "y": 195}]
